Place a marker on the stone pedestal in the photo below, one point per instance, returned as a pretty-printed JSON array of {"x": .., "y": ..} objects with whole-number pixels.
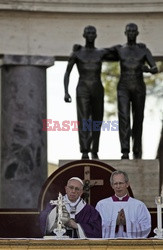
[
  {"x": 143, "y": 176},
  {"x": 23, "y": 143}
]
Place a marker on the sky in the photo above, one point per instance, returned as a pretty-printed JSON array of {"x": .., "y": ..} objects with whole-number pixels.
[{"x": 64, "y": 145}]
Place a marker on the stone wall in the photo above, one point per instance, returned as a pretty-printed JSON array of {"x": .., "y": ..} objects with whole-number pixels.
[{"x": 50, "y": 28}]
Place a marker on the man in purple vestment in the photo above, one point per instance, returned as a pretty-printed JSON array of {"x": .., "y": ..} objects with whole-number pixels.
[
  {"x": 123, "y": 216},
  {"x": 80, "y": 219}
]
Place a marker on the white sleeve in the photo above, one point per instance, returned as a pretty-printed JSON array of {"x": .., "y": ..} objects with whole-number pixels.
[
  {"x": 51, "y": 220},
  {"x": 139, "y": 226},
  {"x": 81, "y": 232},
  {"x": 144, "y": 221}
]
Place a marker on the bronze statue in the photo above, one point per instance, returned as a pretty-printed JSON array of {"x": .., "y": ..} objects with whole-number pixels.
[
  {"x": 89, "y": 92},
  {"x": 131, "y": 89}
]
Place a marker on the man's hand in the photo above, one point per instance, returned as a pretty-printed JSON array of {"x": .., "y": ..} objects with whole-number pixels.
[
  {"x": 76, "y": 47},
  {"x": 67, "y": 98},
  {"x": 152, "y": 70},
  {"x": 121, "y": 219},
  {"x": 71, "y": 223},
  {"x": 65, "y": 215},
  {"x": 145, "y": 68}
]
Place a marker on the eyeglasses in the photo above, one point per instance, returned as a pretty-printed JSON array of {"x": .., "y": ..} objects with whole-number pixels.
[
  {"x": 119, "y": 183},
  {"x": 74, "y": 188}
]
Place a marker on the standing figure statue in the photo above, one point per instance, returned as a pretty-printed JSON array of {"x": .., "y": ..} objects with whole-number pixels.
[
  {"x": 89, "y": 92},
  {"x": 131, "y": 90}
]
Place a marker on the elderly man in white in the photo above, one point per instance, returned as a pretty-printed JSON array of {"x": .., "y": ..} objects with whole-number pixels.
[
  {"x": 123, "y": 216},
  {"x": 81, "y": 220}
]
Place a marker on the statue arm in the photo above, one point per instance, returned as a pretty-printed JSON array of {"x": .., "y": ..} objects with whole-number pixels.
[
  {"x": 151, "y": 62},
  {"x": 70, "y": 65},
  {"x": 111, "y": 54}
]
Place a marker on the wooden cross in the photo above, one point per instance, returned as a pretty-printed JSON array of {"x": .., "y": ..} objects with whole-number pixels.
[{"x": 88, "y": 183}]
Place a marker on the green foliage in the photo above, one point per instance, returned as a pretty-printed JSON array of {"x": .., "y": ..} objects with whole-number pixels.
[{"x": 110, "y": 76}]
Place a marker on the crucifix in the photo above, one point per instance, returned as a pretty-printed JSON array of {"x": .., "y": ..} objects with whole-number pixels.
[{"x": 88, "y": 183}]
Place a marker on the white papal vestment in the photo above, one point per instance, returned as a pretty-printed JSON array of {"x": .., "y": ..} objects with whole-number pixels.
[{"x": 138, "y": 219}]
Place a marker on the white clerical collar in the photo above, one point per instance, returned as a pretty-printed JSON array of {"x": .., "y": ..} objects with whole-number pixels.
[
  {"x": 72, "y": 203},
  {"x": 121, "y": 198}
]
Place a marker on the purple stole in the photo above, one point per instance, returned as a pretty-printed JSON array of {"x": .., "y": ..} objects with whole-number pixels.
[{"x": 115, "y": 199}]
